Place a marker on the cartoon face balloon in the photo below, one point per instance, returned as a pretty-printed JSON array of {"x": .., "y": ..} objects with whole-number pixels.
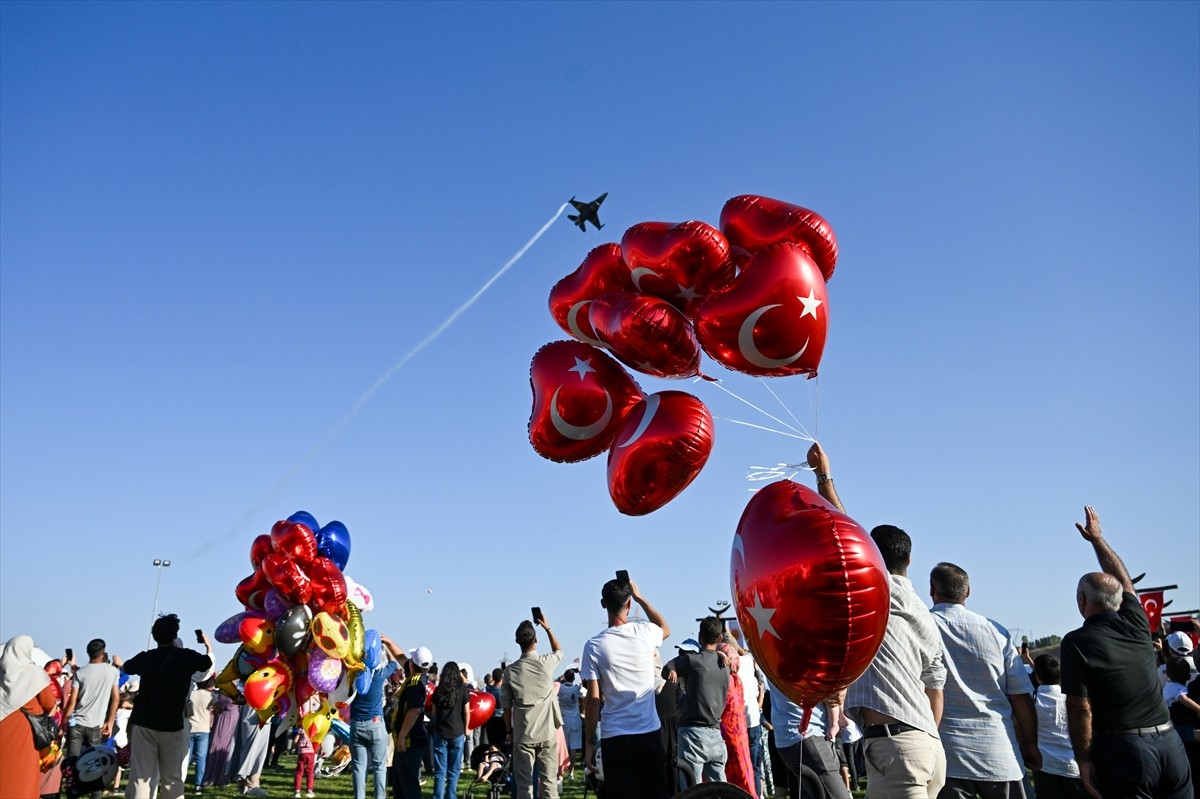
[
  {"x": 331, "y": 635},
  {"x": 256, "y": 634},
  {"x": 324, "y": 671},
  {"x": 752, "y": 222},
  {"x": 359, "y": 595},
  {"x": 267, "y": 684},
  {"x": 661, "y": 447},
  {"x": 810, "y": 589},
  {"x": 294, "y": 632},
  {"x": 316, "y": 724},
  {"x": 580, "y": 396},
  {"x": 97, "y": 764}
]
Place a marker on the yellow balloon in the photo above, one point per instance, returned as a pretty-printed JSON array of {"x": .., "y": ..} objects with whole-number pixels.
[
  {"x": 316, "y": 724},
  {"x": 358, "y": 633},
  {"x": 331, "y": 635},
  {"x": 227, "y": 678}
]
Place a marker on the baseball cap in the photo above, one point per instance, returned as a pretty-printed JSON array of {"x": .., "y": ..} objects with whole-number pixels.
[
  {"x": 690, "y": 645},
  {"x": 421, "y": 657},
  {"x": 1179, "y": 643}
]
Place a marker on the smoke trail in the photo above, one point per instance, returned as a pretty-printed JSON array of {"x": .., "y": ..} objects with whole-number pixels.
[{"x": 320, "y": 446}]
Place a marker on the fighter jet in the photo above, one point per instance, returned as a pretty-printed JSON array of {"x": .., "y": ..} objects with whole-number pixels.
[{"x": 588, "y": 212}]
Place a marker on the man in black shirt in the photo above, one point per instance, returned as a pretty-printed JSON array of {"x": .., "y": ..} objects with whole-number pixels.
[
  {"x": 157, "y": 739},
  {"x": 705, "y": 676},
  {"x": 1119, "y": 726}
]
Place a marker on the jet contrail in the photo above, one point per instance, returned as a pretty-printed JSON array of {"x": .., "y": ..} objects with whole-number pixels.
[{"x": 366, "y": 397}]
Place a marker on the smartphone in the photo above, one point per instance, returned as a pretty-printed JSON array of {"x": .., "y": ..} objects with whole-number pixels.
[
  {"x": 622, "y": 575},
  {"x": 537, "y": 614},
  {"x": 1176, "y": 626},
  {"x": 199, "y": 636},
  {"x": 70, "y": 653}
]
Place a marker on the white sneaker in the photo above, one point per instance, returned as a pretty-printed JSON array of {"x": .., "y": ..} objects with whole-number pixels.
[
  {"x": 310, "y": 795},
  {"x": 296, "y": 794}
]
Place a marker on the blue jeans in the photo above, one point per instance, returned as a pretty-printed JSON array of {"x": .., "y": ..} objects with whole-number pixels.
[
  {"x": 702, "y": 754},
  {"x": 368, "y": 748},
  {"x": 756, "y": 755},
  {"x": 198, "y": 749},
  {"x": 447, "y": 763}
]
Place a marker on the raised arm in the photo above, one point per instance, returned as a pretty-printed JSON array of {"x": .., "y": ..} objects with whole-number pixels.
[
  {"x": 545, "y": 625},
  {"x": 819, "y": 462},
  {"x": 651, "y": 614},
  {"x": 1109, "y": 562}
]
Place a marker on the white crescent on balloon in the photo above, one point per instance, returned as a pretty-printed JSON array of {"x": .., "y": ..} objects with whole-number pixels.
[
  {"x": 637, "y": 274},
  {"x": 739, "y": 546},
  {"x": 647, "y": 418},
  {"x": 750, "y": 350},
  {"x": 573, "y": 325},
  {"x": 576, "y": 433}
]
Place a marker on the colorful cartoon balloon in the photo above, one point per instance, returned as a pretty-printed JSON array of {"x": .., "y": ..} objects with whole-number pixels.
[
  {"x": 256, "y": 634},
  {"x": 772, "y": 319},
  {"x": 663, "y": 444},
  {"x": 357, "y": 637},
  {"x": 603, "y": 271},
  {"x": 331, "y": 635},
  {"x": 275, "y": 605},
  {"x": 580, "y": 396},
  {"x": 228, "y": 631},
  {"x": 481, "y": 708},
  {"x": 295, "y": 540},
  {"x": 752, "y": 222},
  {"x": 293, "y": 632},
  {"x": 359, "y": 594},
  {"x": 646, "y": 333},
  {"x": 288, "y": 578},
  {"x": 333, "y": 542},
  {"x": 680, "y": 263},
  {"x": 324, "y": 671},
  {"x": 372, "y": 649},
  {"x": 810, "y": 589},
  {"x": 316, "y": 724}
]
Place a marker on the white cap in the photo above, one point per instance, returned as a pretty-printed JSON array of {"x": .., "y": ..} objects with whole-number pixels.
[
  {"x": 421, "y": 657},
  {"x": 1179, "y": 643}
]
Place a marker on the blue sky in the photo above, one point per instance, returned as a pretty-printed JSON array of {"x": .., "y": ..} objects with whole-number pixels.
[{"x": 221, "y": 223}]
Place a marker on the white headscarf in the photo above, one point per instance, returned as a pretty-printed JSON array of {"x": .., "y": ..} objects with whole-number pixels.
[{"x": 20, "y": 678}]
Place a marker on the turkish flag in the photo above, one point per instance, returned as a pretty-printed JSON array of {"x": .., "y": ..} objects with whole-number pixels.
[{"x": 1152, "y": 604}]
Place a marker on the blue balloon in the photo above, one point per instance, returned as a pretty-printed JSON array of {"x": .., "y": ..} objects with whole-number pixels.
[
  {"x": 372, "y": 650},
  {"x": 333, "y": 542},
  {"x": 307, "y": 519},
  {"x": 362, "y": 683}
]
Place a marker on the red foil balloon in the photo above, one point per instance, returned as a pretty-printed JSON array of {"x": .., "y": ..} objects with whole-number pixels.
[
  {"x": 772, "y": 319},
  {"x": 295, "y": 540},
  {"x": 680, "y": 263},
  {"x": 252, "y": 590},
  {"x": 288, "y": 578},
  {"x": 810, "y": 589},
  {"x": 260, "y": 549},
  {"x": 580, "y": 396},
  {"x": 646, "y": 333},
  {"x": 753, "y": 222},
  {"x": 481, "y": 708},
  {"x": 603, "y": 271},
  {"x": 663, "y": 444},
  {"x": 328, "y": 585}
]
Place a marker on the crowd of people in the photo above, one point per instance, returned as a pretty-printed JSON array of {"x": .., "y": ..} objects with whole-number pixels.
[{"x": 949, "y": 708}]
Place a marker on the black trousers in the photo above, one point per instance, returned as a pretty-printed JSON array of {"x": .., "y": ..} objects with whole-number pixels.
[
  {"x": 1142, "y": 766},
  {"x": 634, "y": 766}
]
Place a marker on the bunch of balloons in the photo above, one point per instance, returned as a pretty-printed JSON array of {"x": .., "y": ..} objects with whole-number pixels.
[
  {"x": 302, "y": 641},
  {"x": 751, "y": 295}
]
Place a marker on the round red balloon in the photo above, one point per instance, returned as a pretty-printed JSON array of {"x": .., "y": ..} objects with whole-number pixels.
[
  {"x": 680, "y": 263},
  {"x": 328, "y": 585},
  {"x": 810, "y": 589},
  {"x": 481, "y": 708},
  {"x": 288, "y": 578},
  {"x": 603, "y": 271},
  {"x": 295, "y": 540},
  {"x": 663, "y": 444},
  {"x": 646, "y": 333},
  {"x": 580, "y": 396},
  {"x": 260, "y": 549},
  {"x": 252, "y": 590},
  {"x": 752, "y": 222},
  {"x": 772, "y": 319}
]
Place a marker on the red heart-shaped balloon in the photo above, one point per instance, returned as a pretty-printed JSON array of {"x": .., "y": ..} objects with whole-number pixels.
[
  {"x": 772, "y": 319},
  {"x": 260, "y": 549},
  {"x": 810, "y": 589},
  {"x": 646, "y": 333},
  {"x": 295, "y": 540},
  {"x": 680, "y": 263},
  {"x": 328, "y": 586},
  {"x": 663, "y": 444},
  {"x": 288, "y": 578},
  {"x": 252, "y": 590},
  {"x": 603, "y": 271},
  {"x": 481, "y": 708},
  {"x": 580, "y": 396},
  {"x": 753, "y": 222}
]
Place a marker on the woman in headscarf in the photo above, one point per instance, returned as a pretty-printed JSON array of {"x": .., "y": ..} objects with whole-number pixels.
[
  {"x": 220, "y": 739},
  {"x": 739, "y": 768},
  {"x": 23, "y": 685}
]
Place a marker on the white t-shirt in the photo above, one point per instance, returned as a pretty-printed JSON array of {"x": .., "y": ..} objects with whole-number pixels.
[
  {"x": 622, "y": 659},
  {"x": 95, "y": 683},
  {"x": 1172, "y": 691},
  {"x": 749, "y": 680}
]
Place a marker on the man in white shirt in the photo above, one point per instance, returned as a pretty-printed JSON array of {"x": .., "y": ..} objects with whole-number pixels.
[{"x": 618, "y": 664}]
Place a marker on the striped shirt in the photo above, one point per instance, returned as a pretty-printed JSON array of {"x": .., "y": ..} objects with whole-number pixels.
[
  {"x": 982, "y": 670},
  {"x": 909, "y": 660}
]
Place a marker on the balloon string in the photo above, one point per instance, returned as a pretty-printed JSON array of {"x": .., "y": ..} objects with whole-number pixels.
[
  {"x": 801, "y": 437},
  {"x": 425, "y": 342},
  {"x": 767, "y": 385},
  {"x": 770, "y": 416}
]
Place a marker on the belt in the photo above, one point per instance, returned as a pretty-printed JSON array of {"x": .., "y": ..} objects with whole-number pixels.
[
  {"x": 888, "y": 730},
  {"x": 1161, "y": 728}
]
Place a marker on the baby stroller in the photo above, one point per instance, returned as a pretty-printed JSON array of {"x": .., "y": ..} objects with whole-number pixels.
[
  {"x": 497, "y": 768},
  {"x": 334, "y": 754}
]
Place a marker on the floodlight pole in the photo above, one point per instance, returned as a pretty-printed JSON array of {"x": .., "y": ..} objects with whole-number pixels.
[{"x": 160, "y": 564}]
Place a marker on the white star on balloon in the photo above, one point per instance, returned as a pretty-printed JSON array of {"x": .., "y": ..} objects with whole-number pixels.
[
  {"x": 687, "y": 293},
  {"x": 762, "y": 617},
  {"x": 811, "y": 303},
  {"x": 583, "y": 366}
]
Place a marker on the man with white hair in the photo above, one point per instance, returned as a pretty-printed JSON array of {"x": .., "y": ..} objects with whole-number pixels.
[{"x": 1120, "y": 730}]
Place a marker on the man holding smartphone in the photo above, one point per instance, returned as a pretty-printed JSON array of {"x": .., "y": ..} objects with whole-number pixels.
[
  {"x": 531, "y": 714},
  {"x": 92, "y": 706}
]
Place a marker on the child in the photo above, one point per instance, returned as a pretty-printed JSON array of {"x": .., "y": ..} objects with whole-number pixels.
[{"x": 306, "y": 758}]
